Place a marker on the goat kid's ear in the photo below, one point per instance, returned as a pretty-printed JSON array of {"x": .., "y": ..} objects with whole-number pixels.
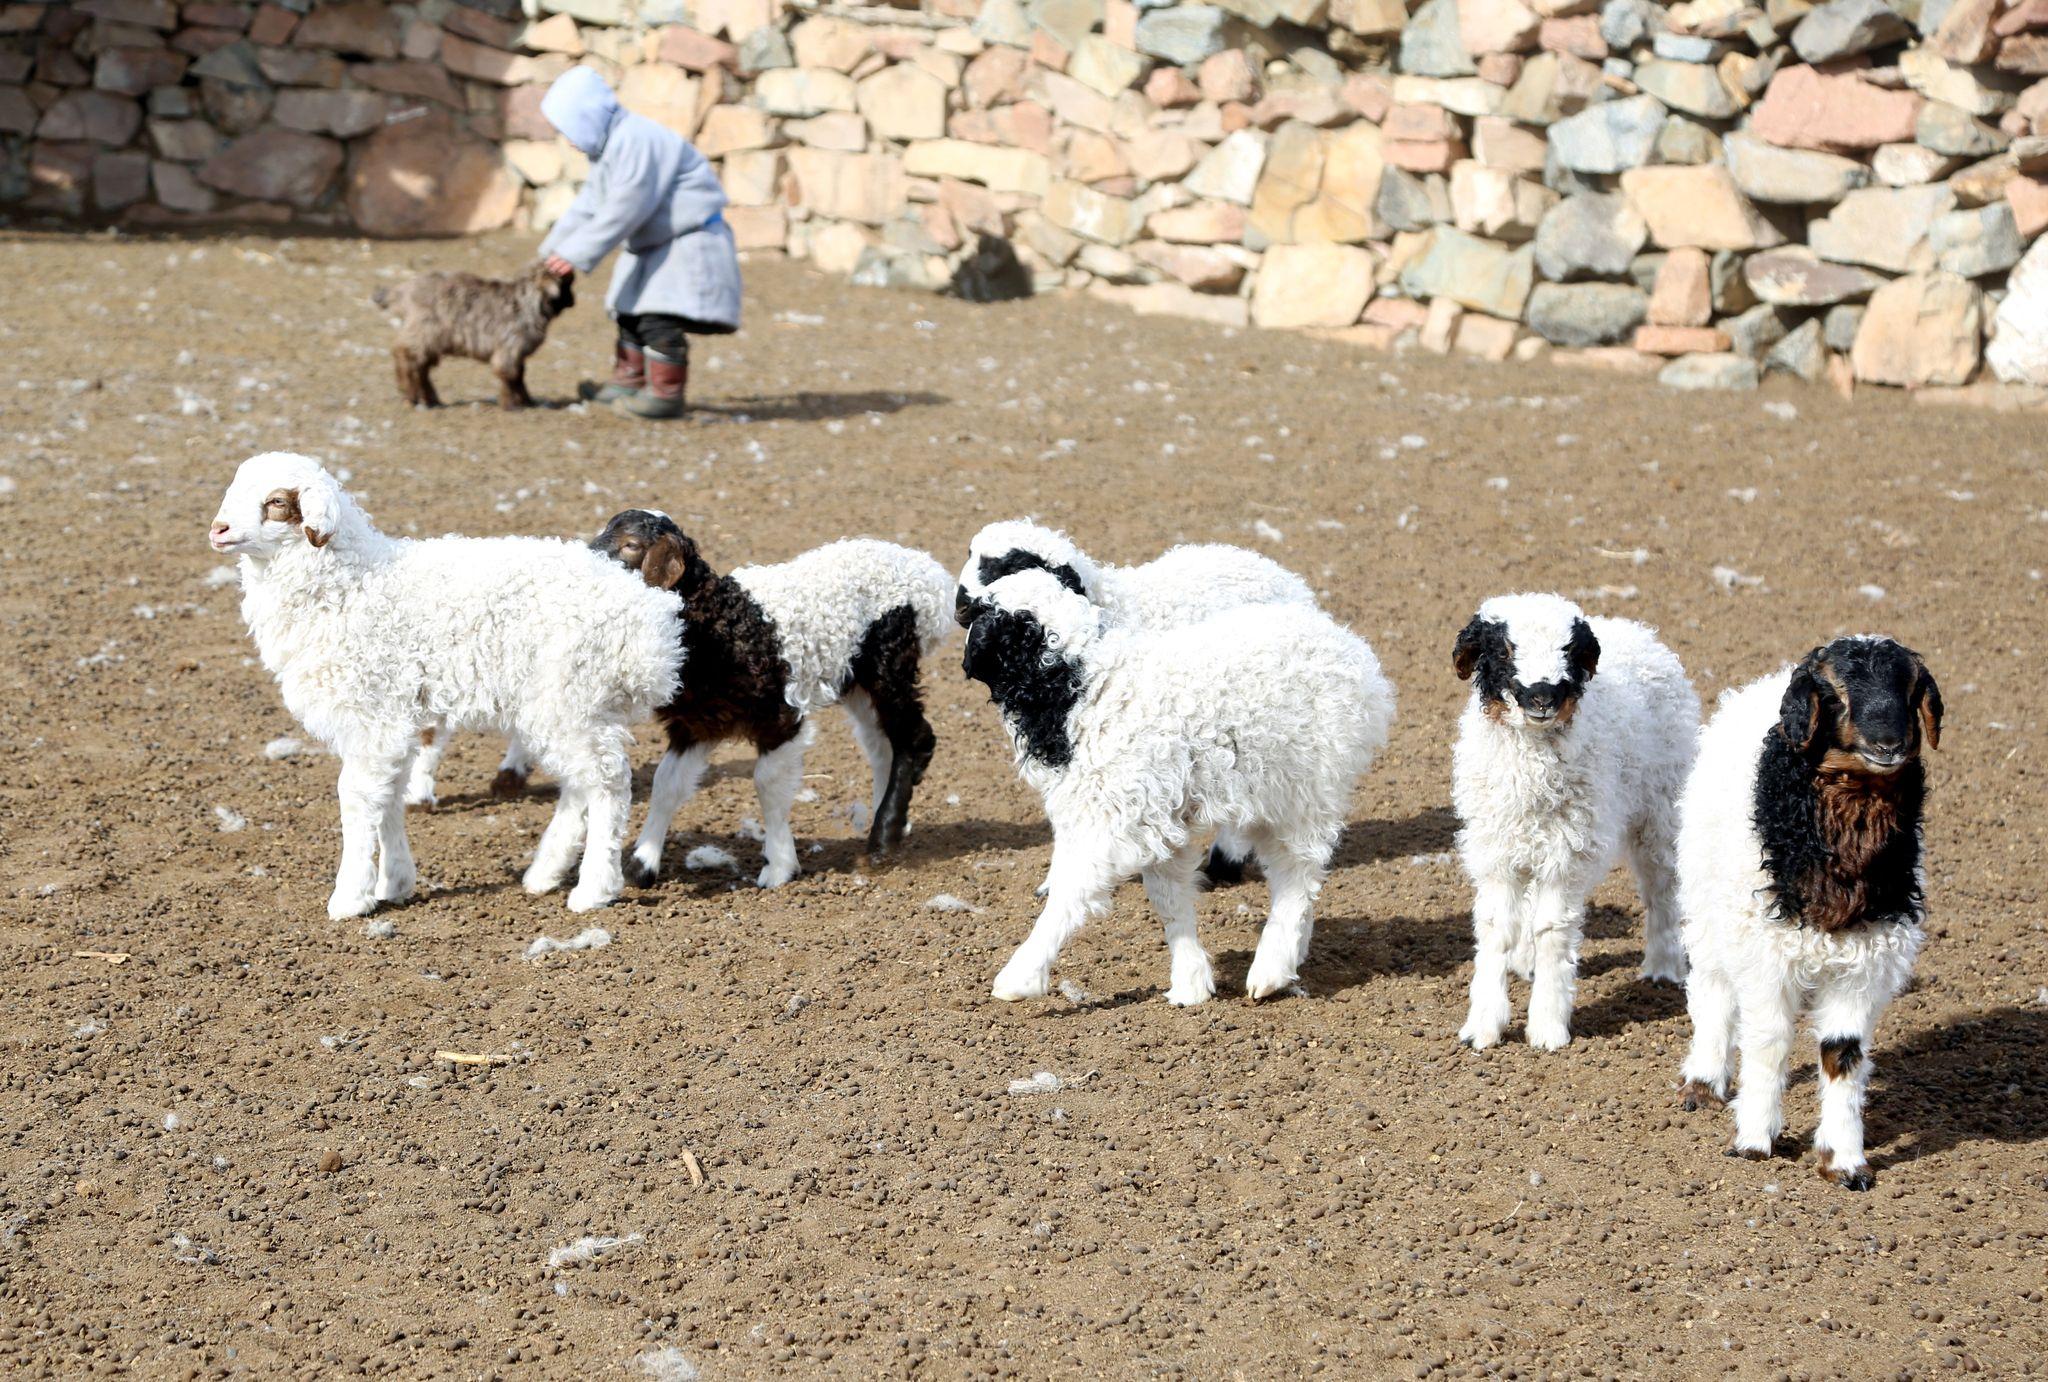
[
  {"x": 1799, "y": 712},
  {"x": 320, "y": 510},
  {"x": 666, "y": 562},
  {"x": 1584, "y": 649},
  {"x": 1465, "y": 652},
  {"x": 1927, "y": 698}
]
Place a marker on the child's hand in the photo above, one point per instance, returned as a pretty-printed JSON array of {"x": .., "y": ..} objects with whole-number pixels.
[{"x": 559, "y": 267}]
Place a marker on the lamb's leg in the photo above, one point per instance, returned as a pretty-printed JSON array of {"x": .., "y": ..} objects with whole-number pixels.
[
  {"x": 513, "y": 770},
  {"x": 426, "y": 762},
  {"x": 1225, "y": 864},
  {"x": 1171, "y": 886},
  {"x": 675, "y": 782},
  {"x": 874, "y": 746},
  {"x": 411, "y": 376},
  {"x": 1558, "y": 920},
  {"x": 607, "y": 797},
  {"x": 1653, "y": 854},
  {"x": 396, "y": 873},
  {"x": 1844, "y": 1018},
  {"x": 560, "y": 842},
  {"x": 1078, "y": 888},
  {"x": 1294, "y": 875},
  {"x": 1767, "y": 1015},
  {"x": 778, "y": 776},
  {"x": 365, "y": 787},
  {"x": 911, "y": 743},
  {"x": 1493, "y": 932},
  {"x": 511, "y": 372},
  {"x": 424, "y": 372},
  {"x": 1710, "y": 1001}
]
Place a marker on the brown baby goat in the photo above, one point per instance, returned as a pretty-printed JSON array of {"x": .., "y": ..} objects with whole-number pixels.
[{"x": 500, "y": 321}]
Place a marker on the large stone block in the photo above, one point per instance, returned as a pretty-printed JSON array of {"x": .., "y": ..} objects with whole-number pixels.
[
  {"x": 1080, "y": 210},
  {"x": 1804, "y": 109},
  {"x": 800, "y": 91},
  {"x": 1797, "y": 277},
  {"x": 1585, "y": 314},
  {"x": 1484, "y": 275},
  {"x": 94, "y": 117},
  {"x": 1589, "y": 235},
  {"x": 1795, "y": 177},
  {"x": 428, "y": 177},
  {"x": 867, "y": 188},
  {"x": 903, "y": 102},
  {"x": 998, "y": 169},
  {"x": 1921, "y": 329},
  {"x": 366, "y": 28},
  {"x": 1312, "y": 286},
  {"x": 1698, "y": 206},
  {"x": 1885, "y": 228},
  {"x": 275, "y": 165},
  {"x": 1230, "y": 171},
  {"x": 1612, "y": 137}
]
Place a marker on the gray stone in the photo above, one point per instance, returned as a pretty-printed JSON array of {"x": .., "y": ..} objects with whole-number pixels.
[
  {"x": 1791, "y": 177},
  {"x": 1844, "y": 27},
  {"x": 172, "y": 102},
  {"x": 1980, "y": 241},
  {"x": 1586, "y": 314},
  {"x": 1591, "y": 235},
  {"x": 1431, "y": 45},
  {"x": 1707, "y": 372},
  {"x": 1625, "y": 23},
  {"x": 1610, "y": 137},
  {"x": 1730, "y": 289},
  {"x": 1483, "y": 275},
  {"x": 1883, "y": 227},
  {"x": 1752, "y": 333},
  {"x": 1840, "y": 325},
  {"x": 1687, "y": 48},
  {"x": 1795, "y": 276},
  {"x": 1067, "y": 20},
  {"x": 765, "y": 49},
  {"x": 1187, "y": 33},
  {"x": 1802, "y": 354},
  {"x": 1404, "y": 201},
  {"x": 1689, "y": 87},
  {"x": 1681, "y": 141},
  {"x": 1948, "y": 129},
  {"x": 1004, "y": 22},
  {"x": 235, "y": 64},
  {"x": 1644, "y": 268}
]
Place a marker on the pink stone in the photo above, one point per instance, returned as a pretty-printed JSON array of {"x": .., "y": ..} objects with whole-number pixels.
[
  {"x": 1680, "y": 340},
  {"x": 364, "y": 27},
  {"x": 133, "y": 71},
  {"x": 1167, "y": 87},
  {"x": 1423, "y": 155},
  {"x": 995, "y": 77},
  {"x": 1496, "y": 26},
  {"x": 218, "y": 16},
  {"x": 426, "y": 177},
  {"x": 1368, "y": 93},
  {"x": 1502, "y": 69},
  {"x": 273, "y": 24},
  {"x": 430, "y": 82},
  {"x": 147, "y": 14},
  {"x": 2029, "y": 199},
  {"x": 1420, "y": 122},
  {"x": 483, "y": 28},
  {"x": 1804, "y": 109},
  {"x": 1229, "y": 76},
  {"x": 1578, "y": 35},
  {"x": 696, "y": 51}
]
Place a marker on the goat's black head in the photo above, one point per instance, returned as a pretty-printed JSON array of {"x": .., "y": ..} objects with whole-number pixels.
[
  {"x": 557, "y": 292},
  {"x": 1529, "y": 657},
  {"x": 1861, "y": 705},
  {"x": 1024, "y": 644}
]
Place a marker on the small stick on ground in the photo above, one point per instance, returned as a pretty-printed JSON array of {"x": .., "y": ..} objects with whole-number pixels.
[
  {"x": 693, "y": 1166},
  {"x": 112, "y": 957},
  {"x": 472, "y": 1058}
]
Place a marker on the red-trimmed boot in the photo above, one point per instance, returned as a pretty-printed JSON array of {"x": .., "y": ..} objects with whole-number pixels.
[
  {"x": 629, "y": 375},
  {"x": 663, "y": 396}
]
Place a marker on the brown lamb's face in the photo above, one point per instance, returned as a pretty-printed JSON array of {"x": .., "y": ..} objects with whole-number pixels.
[{"x": 1866, "y": 705}]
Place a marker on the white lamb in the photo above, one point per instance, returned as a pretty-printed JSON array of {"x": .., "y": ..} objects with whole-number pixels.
[
  {"x": 374, "y": 639},
  {"x": 1259, "y": 719},
  {"x": 1184, "y": 585},
  {"x": 1800, "y": 876},
  {"x": 1556, "y": 772}
]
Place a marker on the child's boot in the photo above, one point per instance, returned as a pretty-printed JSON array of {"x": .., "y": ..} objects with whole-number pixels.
[
  {"x": 629, "y": 375},
  {"x": 663, "y": 395}
]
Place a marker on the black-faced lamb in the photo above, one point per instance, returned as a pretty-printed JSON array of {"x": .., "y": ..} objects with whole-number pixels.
[
  {"x": 1570, "y": 752},
  {"x": 848, "y": 623},
  {"x": 1142, "y": 743},
  {"x": 1184, "y": 585},
  {"x": 1800, "y": 878},
  {"x": 374, "y": 639}
]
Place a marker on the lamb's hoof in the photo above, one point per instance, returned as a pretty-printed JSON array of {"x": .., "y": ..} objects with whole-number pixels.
[
  {"x": 583, "y": 898},
  {"x": 1264, "y": 980},
  {"x": 1197, "y": 986},
  {"x": 1547, "y": 1036},
  {"x": 1859, "y": 1177},
  {"x": 509, "y": 783},
  {"x": 1018, "y": 981},
  {"x": 1749, "y": 1153},
  {"x": 775, "y": 875},
  {"x": 1042, "y": 890},
  {"x": 641, "y": 875},
  {"x": 537, "y": 883},
  {"x": 343, "y": 905},
  {"x": 421, "y": 803},
  {"x": 1664, "y": 974},
  {"x": 1696, "y": 1095},
  {"x": 398, "y": 889},
  {"x": 1480, "y": 1035}
]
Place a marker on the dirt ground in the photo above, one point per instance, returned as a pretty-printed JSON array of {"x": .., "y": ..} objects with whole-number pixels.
[{"x": 236, "y": 1152}]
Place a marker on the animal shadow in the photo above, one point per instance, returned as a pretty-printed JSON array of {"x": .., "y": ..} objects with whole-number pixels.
[
  {"x": 1346, "y": 952},
  {"x": 1981, "y": 1079},
  {"x": 1430, "y": 831},
  {"x": 807, "y": 406}
]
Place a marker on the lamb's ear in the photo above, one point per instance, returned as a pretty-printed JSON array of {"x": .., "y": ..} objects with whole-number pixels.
[
  {"x": 668, "y": 561},
  {"x": 320, "y": 510},
  {"x": 1471, "y": 643},
  {"x": 1799, "y": 711},
  {"x": 1927, "y": 699},
  {"x": 1583, "y": 650}
]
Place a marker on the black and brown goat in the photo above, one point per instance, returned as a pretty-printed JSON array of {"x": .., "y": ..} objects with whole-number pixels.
[{"x": 500, "y": 321}]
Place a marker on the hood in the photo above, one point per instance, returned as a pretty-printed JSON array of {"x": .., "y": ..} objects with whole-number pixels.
[{"x": 583, "y": 108}]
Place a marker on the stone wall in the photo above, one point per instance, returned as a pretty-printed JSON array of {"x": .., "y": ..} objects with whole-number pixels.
[{"x": 1846, "y": 191}]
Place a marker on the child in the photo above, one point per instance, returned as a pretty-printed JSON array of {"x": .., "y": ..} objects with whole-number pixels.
[{"x": 678, "y": 273}]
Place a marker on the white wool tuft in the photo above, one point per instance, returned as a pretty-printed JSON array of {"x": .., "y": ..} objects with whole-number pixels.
[{"x": 1539, "y": 627}]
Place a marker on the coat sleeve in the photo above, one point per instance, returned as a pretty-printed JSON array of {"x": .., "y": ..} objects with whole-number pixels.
[
  {"x": 629, "y": 192},
  {"x": 572, "y": 221}
]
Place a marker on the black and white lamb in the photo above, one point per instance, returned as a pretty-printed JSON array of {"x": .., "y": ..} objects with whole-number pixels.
[
  {"x": 849, "y": 623},
  {"x": 374, "y": 639},
  {"x": 1142, "y": 742},
  {"x": 1184, "y": 585},
  {"x": 1571, "y": 751},
  {"x": 1800, "y": 876}
]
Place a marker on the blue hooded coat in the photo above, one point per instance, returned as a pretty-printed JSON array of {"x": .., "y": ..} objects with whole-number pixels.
[{"x": 651, "y": 192}]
